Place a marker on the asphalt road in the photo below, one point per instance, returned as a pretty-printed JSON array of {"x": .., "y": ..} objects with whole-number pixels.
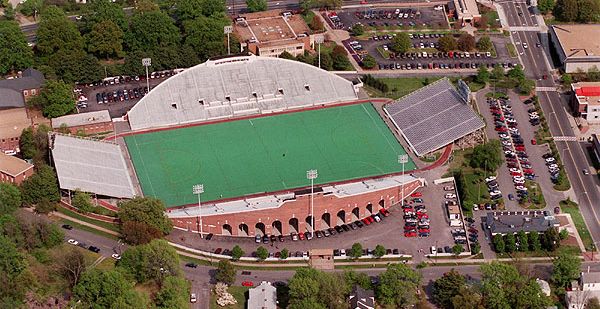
[{"x": 535, "y": 61}]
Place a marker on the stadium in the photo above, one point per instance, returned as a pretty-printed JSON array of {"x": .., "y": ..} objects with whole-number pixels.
[{"x": 228, "y": 146}]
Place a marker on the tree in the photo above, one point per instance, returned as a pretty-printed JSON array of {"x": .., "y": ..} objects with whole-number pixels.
[
  {"x": 82, "y": 201},
  {"x": 326, "y": 61},
  {"x": 483, "y": 75},
  {"x": 485, "y": 44},
  {"x": 447, "y": 43},
  {"x": 379, "y": 251},
  {"x": 105, "y": 40},
  {"x": 45, "y": 206},
  {"x": 401, "y": 43},
  {"x": 148, "y": 210},
  {"x": 475, "y": 248},
  {"x": 551, "y": 239},
  {"x": 107, "y": 289},
  {"x": 523, "y": 241},
  {"x": 565, "y": 268},
  {"x": 55, "y": 99},
  {"x": 71, "y": 265},
  {"x": 144, "y": 6},
  {"x": 566, "y": 10},
  {"x": 305, "y": 5},
  {"x": 173, "y": 293},
  {"x": 369, "y": 62},
  {"x": 499, "y": 245},
  {"x": 398, "y": 286},
  {"x": 153, "y": 261},
  {"x": 467, "y": 298},
  {"x": 191, "y": 9},
  {"x": 526, "y": 86},
  {"x": 497, "y": 72},
  {"x": 466, "y": 42},
  {"x": 357, "y": 29},
  {"x": 256, "y": 5},
  {"x": 446, "y": 287},
  {"x": 303, "y": 286},
  {"x": 352, "y": 278},
  {"x": 564, "y": 234},
  {"x": 102, "y": 11},
  {"x": 30, "y": 7},
  {"x": 516, "y": 73},
  {"x": 287, "y": 55},
  {"x": 10, "y": 198},
  {"x": 356, "y": 251},
  {"x": 284, "y": 254},
  {"x": 487, "y": 156},
  {"x": 14, "y": 53},
  {"x": 42, "y": 185},
  {"x": 57, "y": 32},
  {"x": 152, "y": 30},
  {"x": 236, "y": 253},
  {"x": 14, "y": 281},
  {"x": 588, "y": 11},
  {"x": 593, "y": 303},
  {"x": 511, "y": 243},
  {"x": 316, "y": 24},
  {"x": 534, "y": 241},
  {"x": 139, "y": 233},
  {"x": 262, "y": 253},
  {"x": 225, "y": 272},
  {"x": 205, "y": 35},
  {"x": 340, "y": 58},
  {"x": 457, "y": 249},
  {"x": 546, "y": 6}
]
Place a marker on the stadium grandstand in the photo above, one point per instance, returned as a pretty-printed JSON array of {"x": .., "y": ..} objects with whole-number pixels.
[
  {"x": 91, "y": 166},
  {"x": 434, "y": 116},
  {"x": 237, "y": 86}
]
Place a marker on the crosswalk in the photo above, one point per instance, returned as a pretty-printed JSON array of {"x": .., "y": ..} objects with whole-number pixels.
[
  {"x": 545, "y": 89},
  {"x": 565, "y": 138},
  {"x": 525, "y": 28}
]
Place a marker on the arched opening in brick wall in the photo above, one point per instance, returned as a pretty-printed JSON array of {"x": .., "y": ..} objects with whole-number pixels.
[
  {"x": 355, "y": 214},
  {"x": 309, "y": 224},
  {"x": 243, "y": 230},
  {"x": 369, "y": 209},
  {"x": 259, "y": 229},
  {"x": 277, "y": 228},
  {"x": 381, "y": 204},
  {"x": 325, "y": 221},
  {"x": 227, "y": 231},
  {"x": 341, "y": 217},
  {"x": 293, "y": 225}
]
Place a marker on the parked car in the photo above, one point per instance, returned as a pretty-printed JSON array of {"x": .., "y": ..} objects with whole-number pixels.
[{"x": 67, "y": 227}]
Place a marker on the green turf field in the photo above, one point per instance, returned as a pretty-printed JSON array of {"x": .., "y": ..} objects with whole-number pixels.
[{"x": 264, "y": 154}]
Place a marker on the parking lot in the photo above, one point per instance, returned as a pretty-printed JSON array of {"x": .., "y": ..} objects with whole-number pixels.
[
  {"x": 389, "y": 232},
  {"x": 391, "y": 18}
]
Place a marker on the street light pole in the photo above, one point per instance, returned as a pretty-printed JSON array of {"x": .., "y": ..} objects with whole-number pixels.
[
  {"x": 402, "y": 159},
  {"x": 312, "y": 175},
  {"x": 199, "y": 189},
  {"x": 146, "y": 62}
]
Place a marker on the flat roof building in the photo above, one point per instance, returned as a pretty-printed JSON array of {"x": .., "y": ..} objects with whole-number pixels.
[
  {"x": 264, "y": 296},
  {"x": 515, "y": 221},
  {"x": 13, "y": 169},
  {"x": 585, "y": 101},
  {"x": 270, "y": 33},
  {"x": 577, "y": 46},
  {"x": 466, "y": 10},
  {"x": 12, "y": 123},
  {"x": 87, "y": 123}
]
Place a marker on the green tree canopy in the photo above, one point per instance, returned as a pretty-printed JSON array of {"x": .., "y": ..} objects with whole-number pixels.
[
  {"x": 42, "y": 185},
  {"x": 10, "y": 198},
  {"x": 565, "y": 268},
  {"x": 102, "y": 11},
  {"x": 466, "y": 42},
  {"x": 446, "y": 287},
  {"x": 191, "y": 9},
  {"x": 256, "y": 5},
  {"x": 511, "y": 243},
  {"x": 369, "y": 62},
  {"x": 487, "y": 156},
  {"x": 546, "y": 6},
  {"x": 107, "y": 289},
  {"x": 588, "y": 11},
  {"x": 31, "y": 7},
  {"x": 14, "y": 277},
  {"x": 82, "y": 201},
  {"x": 499, "y": 245},
  {"x": 379, "y": 251},
  {"x": 55, "y": 99},
  {"x": 485, "y": 44},
  {"x": 205, "y": 36},
  {"x": 225, "y": 272},
  {"x": 356, "y": 251},
  {"x": 173, "y": 294},
  {"x": 523, "y": 241},
  {"x": 153, "y": 261},
  {"x": 447, "y": 43},
  {"x": 398, "y": 286},
  {"x": 401, "y": 43},
  {"x": 57, "y": 32},
  {"x": 147, "y": 210},
  {"x": 15, "y": 54},
  {"x": 105, "y": 40},
  {"x": 357, "y": 29},
  {"x": 497, "y": 72},
  {"x": 483, "y": 75},
  {"x": 262, "y": 253},
  {"x": 566, "y": 10},
  {"x": 151, "y": 30},
  {"x": 237, "y": 252}
]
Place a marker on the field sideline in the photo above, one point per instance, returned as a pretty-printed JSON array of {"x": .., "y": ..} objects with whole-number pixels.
[{"x": 264, "y": 154}]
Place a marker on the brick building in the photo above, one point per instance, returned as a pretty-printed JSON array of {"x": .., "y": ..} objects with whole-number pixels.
[
  {"x": 287, "y": 213},
  {"x": 13, "y": 169},
  {"x": 27, "y": 83},
  {"x": 12, "y": 123},
  {"x": 87, "y": 123},
  {"x": 272, "y": 32},
  {"x": 585, "y": 101},
  {"x": 465, "y": 11}
]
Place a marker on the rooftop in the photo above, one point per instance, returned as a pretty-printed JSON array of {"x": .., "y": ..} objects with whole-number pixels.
[
  {"x": 269, "y": 26},
  {"x": 13, "y": 121},
  {"x": 434, "y": 116},
  {"x": 575, "y": 40},
  {"x": 587, "y": 92},
  {"x": 29, "y": 79},
  {"x": 12, "y": 165},
  {"x": 264, "y": 296},
  {"x": 361, "y": 298},
  {"x": 515, "y": 221},
  {"x": 237, "y": 86},
  {"x": 10, "y": 98},
  {"x": 82, "y": 119},
  {"x": 593, "y": 277},
  {"x": 466, "y": 8},
  {"x": 91, "y": 166}
]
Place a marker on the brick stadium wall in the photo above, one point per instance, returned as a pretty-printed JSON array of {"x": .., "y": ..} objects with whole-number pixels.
[
  {"x": 90, "y": 215},
  {"x": 284, "y": 218}
]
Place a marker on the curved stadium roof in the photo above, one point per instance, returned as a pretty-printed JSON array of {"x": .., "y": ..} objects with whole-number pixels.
[{"x": 237, "y": 86}]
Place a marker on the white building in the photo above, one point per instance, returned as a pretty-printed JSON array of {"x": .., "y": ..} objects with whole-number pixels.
[
  {"x": 264, "y": 296},
  {"x": 587, "y": 288}
]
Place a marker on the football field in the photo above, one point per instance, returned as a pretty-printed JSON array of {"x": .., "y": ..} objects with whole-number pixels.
[{"x": 265, "y": 154}]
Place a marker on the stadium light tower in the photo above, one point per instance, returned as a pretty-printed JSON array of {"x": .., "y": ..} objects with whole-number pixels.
[
  {"x": 319, "y": 39},
  {"x": 402, "y": 159},
  {"x": 199, "y": 189},
  {"x": 312, "y": 175},
  {"x": 146, "y": 62},
  {"x": 228, "y": 30}
]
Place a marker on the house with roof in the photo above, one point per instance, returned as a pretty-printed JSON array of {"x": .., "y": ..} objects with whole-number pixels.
[
  {"x": 12, "y": 123},
  {"x": 512, "y": 222},
  {"x": 582, "y": 291},
  {"x": 86, "y": 123},
  {"x": 264, "y": 296},
  {"x": 14, "y": 170},
  {"x": 361, "y": 298}
]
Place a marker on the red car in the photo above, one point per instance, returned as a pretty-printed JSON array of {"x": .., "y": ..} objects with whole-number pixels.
[
  {"x": 424, "y": 231},
  {"x": 528, "y": 171},
  {"x": 384, "y": 212},
  {"x": 520, "y": 148},
  {"x": 408, "y": 228},
  {"x": 533, "y": 142},
  {"x": 422, "y": 215},
  {"x": 408, "y": 209},
  {"x": 301, "y": 236},
  {"x": 248, "y": 283},
  {"x": 515, "y": 174},
  {"x": 417, "y": 194},
  {"x": 410, "y": 234},
  {"x": 501, "y": 129},
  {"x": 366, "y": 221}
]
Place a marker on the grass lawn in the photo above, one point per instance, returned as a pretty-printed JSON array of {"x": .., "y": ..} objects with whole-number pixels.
[
  {"x": 238, "y": 292},
  {"x": 496, "y": 95},
  {"x": 512, "y": 51},
  {"x": 265, "y": 154},
  {"x": 106, "y": 225},
  {"x": 384, "y": 53},
  {"x": 570, "y": 207},
  {"x": 87, "y": 228},
  {"x": 308, "y": 16},
  {"x": 536, "y": 198}
]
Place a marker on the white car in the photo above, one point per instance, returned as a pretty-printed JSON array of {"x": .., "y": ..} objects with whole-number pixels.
[
  {"x": 433, "y": 250},
  {"x": 550, "y": 159},
  {"x": 450, "y": 195},
  {"x": 518, "y": 178},
  {"x": 448, "y": 188},
  {"x": 193, "y": 298},
  {"x": 342, "y": 252},
  {"x": 116, "y": 256},
  {"x": 525, "y": 45},
  {"x": 506, "y": 143},
  {"x": 514, "y": 130},
  {"x": 514, "y": 170},
  {"x": 491, "y": 178},
  {"x": 519, "y": 181},
  {"x": 475, "y": 207},
  {"x": 521, "y": 188},
  {"x": 73, "y": 242},
  {"x": 496, "y": 192},
  {"x": 504, "y": 135},
  {"x": 553, "y": 166}
]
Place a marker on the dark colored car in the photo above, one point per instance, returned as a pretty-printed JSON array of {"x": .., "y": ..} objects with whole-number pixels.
[
  {"x": 191, "y": 265},
  {"x": 218, "y": 250},
  {"x": 339, "y": 229},
  {"x": 67, "y": 227},
  {"x": 359, "y": 223},
  {"x": 346, "y": 227},
  {"x": 265, "y": 239},
  {"x": 273, "y": 238},
  {"x": 209, "y": 236},
  {"x": 281, "y": 238},
  {"x": 94, "y": 249}
]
